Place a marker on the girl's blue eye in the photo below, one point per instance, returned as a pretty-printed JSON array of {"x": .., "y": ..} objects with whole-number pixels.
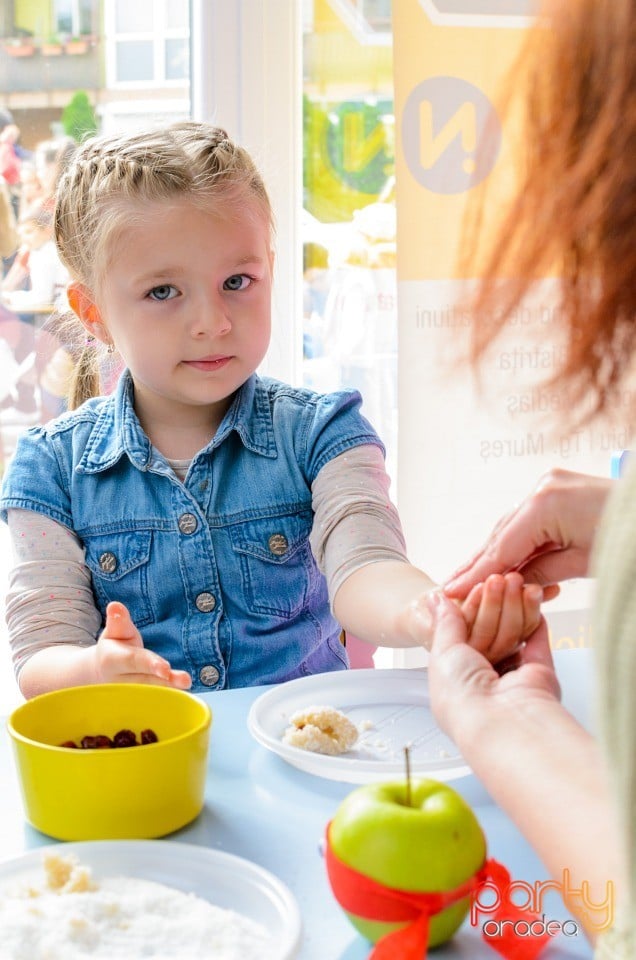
[
  {"x": 239, "y": 281},
  {"x": 164, "y": 292}
]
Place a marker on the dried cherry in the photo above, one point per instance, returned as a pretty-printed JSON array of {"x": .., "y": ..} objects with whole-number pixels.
[{"x": 123, "y": 738}]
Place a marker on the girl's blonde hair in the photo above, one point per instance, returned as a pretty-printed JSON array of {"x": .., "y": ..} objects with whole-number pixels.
[{"x": 109, "y": 177}]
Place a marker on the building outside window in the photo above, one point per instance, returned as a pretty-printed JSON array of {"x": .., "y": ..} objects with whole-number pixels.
[{"x": 349, "y": 226}]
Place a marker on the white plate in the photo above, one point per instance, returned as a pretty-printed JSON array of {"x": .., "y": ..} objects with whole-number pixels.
[
  {"x": 389, "y": 707},
  {"x": 222, "y": 878}
]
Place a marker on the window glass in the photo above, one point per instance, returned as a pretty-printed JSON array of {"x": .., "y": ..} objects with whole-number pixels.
[
  {"x": 86, "y": 19},
  {"x": 64, "y": 16},
  {"x": 74, "y": 17},
  {"x": 177, "y": 15},
  {"x": 134, "y": 61},
  {"x": 177, "y": 59},
  {"x": 349, "y": 278},
  {"x": 378, "y": 13},
  {"x": 134, "y": 16}
]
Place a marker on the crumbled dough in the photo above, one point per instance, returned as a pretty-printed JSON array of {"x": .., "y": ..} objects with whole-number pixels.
[
  {"x": 321, "y": 730},
  {"x": 66, "y": 875}
]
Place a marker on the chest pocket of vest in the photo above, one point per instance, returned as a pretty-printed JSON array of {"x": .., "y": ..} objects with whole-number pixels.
[
  {"x": 277, "y": 565},
  {"x": 118, "y": 563}
]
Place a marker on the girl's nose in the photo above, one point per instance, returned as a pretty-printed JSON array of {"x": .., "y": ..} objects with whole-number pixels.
[{"x": 211, "y": 318}]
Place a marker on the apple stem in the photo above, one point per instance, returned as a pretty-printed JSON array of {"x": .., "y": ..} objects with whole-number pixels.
[{"x": 407, "y": 760}]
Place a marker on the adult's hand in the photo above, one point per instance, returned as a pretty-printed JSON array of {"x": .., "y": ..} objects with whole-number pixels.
[
  {"x": 470, "y": 696},
  {"x": 122, "y": 657},
  {"x": 548, "y": 538}
]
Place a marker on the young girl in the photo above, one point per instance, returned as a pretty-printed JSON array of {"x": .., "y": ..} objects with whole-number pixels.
[{"x": 197, "y": 506}]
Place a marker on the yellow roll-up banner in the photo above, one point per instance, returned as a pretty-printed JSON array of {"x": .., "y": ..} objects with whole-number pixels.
[{"x": 465, "y": 458}]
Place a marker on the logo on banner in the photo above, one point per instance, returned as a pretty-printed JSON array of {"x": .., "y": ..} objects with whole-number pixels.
[
  {"x": 451, "y": 134},
  {"x": 357, "y": 147}
]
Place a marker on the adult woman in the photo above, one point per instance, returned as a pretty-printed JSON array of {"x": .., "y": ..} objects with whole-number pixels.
[{"x": 575, "y": 210}]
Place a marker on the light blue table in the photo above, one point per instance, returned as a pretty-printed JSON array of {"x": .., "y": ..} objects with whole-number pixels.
[{"x": 260, "y": 808}]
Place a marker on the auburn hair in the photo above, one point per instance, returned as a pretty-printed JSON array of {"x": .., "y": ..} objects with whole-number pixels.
[{"x": 573, "y": 212}]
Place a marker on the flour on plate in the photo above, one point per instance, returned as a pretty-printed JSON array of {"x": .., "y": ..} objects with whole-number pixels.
[{"x": 71, "y": 917}]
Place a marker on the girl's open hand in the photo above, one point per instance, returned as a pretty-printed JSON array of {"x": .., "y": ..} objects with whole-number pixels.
[
  {"x": 501, "y": 613},
  {"x": 122, "y": 657}
]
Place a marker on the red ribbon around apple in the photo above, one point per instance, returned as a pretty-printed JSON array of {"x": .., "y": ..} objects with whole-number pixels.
[{"x": 364, "y": 897}]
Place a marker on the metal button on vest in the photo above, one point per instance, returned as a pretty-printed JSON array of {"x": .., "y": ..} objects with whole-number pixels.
[
  {"x": 209, "y": 675},
  {"x": 188, "y": 523},
  {"x": 277, "y": 544},
  {"x": 108, "y": 562},
  {"x": 205, "y": 602}
]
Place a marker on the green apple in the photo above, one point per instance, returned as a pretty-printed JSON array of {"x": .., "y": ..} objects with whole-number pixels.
[{"x": 428, "y": 845}]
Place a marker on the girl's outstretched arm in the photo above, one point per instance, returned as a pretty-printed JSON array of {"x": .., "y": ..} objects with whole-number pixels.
[
  {"x": 386, "y": 604},
  {"x": 376, "y": 594}
]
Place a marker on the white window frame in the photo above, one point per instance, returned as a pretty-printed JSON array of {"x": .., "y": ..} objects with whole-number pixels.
[
  {"x": 156, "y": 37},
  {"x": 246, "y": 63}
]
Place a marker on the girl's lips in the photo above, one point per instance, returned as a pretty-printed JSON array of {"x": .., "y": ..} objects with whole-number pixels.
[{"x": 208, "y": 363}]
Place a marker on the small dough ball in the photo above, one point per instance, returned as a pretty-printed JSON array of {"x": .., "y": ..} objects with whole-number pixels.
[{"x": 321, "y": 730}]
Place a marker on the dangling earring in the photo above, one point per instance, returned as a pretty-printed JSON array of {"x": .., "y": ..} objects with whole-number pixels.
[{"x": 110, "y": 349}]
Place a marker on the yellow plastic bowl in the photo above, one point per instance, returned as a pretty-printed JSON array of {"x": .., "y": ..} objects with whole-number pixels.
[{"x": 125, "y": 793}]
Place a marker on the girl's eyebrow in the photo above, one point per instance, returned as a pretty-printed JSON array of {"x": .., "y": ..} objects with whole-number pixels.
[
  {"x": 168, "y": 272},
  {"x": 252, "y": 258},
  {"x": 161, "y": 273}
]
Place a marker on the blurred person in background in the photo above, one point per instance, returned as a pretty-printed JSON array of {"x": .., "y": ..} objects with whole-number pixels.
[{"x": 51, "y": 159}]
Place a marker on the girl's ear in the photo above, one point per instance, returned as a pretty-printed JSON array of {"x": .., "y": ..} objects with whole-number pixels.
[{"x": 87, "y": 311}]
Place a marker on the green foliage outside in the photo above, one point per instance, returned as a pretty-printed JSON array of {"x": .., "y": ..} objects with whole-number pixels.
[
  {"x": 347, "y": 156},
  {"x": 78, "y": 117}
]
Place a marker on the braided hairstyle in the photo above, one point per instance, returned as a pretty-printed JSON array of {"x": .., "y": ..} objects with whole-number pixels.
[{"x": 109, "y": 180}]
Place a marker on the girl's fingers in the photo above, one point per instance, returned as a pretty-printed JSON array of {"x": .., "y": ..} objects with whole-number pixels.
[
  {"x": 145, "y": 663},
  {"x": 486, "y": 624},
  {"x": 510, "y": 630},
  {"x": 551, "y": 591},
  {"x": 532, "y": 596},
  {"x": 121, "y": 662},
  {"x": 180, "y": 679},
  {"x": 119, "y": 624},
  {"x": 470, "y": 606}
]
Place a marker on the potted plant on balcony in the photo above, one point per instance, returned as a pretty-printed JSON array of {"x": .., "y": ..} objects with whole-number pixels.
[
  {"x": 77, "y": 45},
  {"x": 19, "y": 46},
  {"x": 52, "y": 46}
]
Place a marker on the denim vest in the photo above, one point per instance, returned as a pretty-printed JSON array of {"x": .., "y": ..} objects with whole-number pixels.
[{"x": 217, "y": 571}]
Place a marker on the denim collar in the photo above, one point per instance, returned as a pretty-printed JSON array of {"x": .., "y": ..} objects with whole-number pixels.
[{"x": 117, "y": 430}]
